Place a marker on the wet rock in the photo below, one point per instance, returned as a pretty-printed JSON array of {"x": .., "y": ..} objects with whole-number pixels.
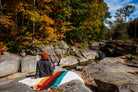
[
  {"x": 9, "y": 64},
  {"x": 108, "y": 49},
  {"x": 118, "y": 49}
]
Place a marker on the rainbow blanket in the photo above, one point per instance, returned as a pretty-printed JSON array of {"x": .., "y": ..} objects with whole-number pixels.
[{"x": 56, "y": 79}]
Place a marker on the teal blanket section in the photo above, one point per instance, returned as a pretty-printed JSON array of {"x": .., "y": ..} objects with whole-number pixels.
[{"x": 58, "y": 81}]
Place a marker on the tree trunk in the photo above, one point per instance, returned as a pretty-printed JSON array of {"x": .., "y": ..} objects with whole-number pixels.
[
  {"x": 135, "y": 30},
  {"x": 1, "y": 9},
  {"x": 22, "y": 19},
  {"x": 33, "y": 31},
  {"x": 2, "y": 15},
  {"x": 0, "y": 5},
  {"x": 34, "y": 25}
]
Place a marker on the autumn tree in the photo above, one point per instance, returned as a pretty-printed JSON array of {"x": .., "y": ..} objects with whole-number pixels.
[
  {"x": 31, "y": 22},
  {"x": 98, "y": 14}
]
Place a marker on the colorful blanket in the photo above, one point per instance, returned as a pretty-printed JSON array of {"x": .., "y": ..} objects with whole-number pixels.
[{"x": 56, "y": 79}]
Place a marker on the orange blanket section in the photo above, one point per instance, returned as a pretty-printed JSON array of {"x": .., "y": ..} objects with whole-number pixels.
[{"x": 45, "y": 81}]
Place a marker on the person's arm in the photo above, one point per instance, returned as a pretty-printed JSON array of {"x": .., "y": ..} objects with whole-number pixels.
[
  {"x": 51, "y": 69},
  {"x": 37, "y": 71}
]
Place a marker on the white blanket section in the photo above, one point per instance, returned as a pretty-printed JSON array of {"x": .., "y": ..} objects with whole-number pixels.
[{"x": 67, "y": 78}]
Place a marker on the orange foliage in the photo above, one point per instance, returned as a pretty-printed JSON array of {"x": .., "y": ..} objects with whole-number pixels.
[{"x": 25, "y": 12}]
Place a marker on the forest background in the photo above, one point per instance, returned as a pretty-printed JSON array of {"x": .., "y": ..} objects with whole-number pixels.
[{"x": 24, "y": 23}]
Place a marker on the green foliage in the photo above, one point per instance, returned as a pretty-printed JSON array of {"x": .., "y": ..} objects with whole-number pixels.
[
  {"x": 84, "y": 45},
  {"x": 12, "y": 46},
  {"x": 68, "y": 53},
  {"x": 87, "y": 18},
  {"x": 75, "y": 35}
]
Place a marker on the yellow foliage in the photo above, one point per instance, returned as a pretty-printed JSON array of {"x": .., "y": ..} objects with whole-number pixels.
[
  {"x": 47, "y": 19},
  {"x": 48, "y": 1}
]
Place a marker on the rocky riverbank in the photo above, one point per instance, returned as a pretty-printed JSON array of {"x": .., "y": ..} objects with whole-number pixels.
[{"x": 117, "y": 73}]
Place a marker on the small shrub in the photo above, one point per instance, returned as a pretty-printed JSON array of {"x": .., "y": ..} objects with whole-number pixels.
[
  {"x": 68, "y": 53},
  {"x": 84, "y": 45},
  {"x": 12, "y": 46},
  {"x": 2, "y": 48}
]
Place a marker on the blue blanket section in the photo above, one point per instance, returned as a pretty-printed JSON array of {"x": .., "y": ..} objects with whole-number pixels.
[{"x": 58, "y": 81}]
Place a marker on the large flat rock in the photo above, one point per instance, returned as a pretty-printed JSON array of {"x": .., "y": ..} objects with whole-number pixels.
[
  {"x": 13, "y": 86},
  {"x": 111, "y": 77}
]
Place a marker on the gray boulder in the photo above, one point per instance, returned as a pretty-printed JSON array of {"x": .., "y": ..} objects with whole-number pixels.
[
  {"x": 46, "y": 47},
  {"x": 30, "y": 51},
  {"x": 111, "y": 77},
  {"x": 64, "y": 45},
  {"x": 7, "y": 85},
  {"x": 28, "y": 64},
  {"x": 78, "y": 88},
  {"x": 52, "y": 55},
  {"x": 82, "y": 60},
  {"x": 59, "y": 53},
  {"x": 74, "y": 86},
  {"x": 76, "y": 50},
  {"x": 34, "y": 51},
  {"x": 69, "y": 61},
  {"x": 94, "y": 45},
  {"x": 9, "y": 64},
  {"x": 58, "y": 68},
  {"x": 61, "y": 45},
  {"x": 112, "y": 60},
  {"x": 118, "y": 48},
  {"x": 89, "y": 54}
]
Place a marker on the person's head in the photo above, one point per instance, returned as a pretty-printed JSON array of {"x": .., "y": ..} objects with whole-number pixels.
[{"x": 44, "y": 55}]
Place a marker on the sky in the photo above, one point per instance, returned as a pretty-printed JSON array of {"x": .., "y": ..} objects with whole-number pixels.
[{"x": 116, "y": 4}]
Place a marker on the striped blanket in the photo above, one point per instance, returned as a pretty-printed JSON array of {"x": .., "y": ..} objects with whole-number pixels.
[{"x": 56, "y": 79}]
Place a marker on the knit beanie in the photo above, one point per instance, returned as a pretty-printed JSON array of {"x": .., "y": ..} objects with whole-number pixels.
[{"x": 44, "y": 55}]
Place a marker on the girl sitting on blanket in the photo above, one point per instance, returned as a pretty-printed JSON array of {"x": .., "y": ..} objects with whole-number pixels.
[{"x": 44, "y": 67}]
